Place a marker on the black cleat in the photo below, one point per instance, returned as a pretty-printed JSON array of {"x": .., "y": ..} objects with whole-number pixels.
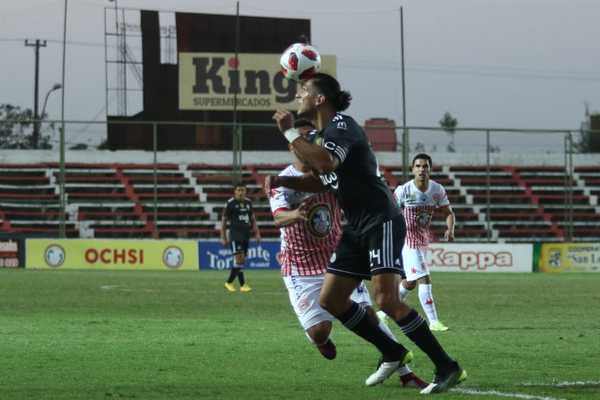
[{"x": 446, "y": 379}]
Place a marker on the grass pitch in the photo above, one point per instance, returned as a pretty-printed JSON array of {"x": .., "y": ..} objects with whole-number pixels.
[{"x": 180, "y": 335}]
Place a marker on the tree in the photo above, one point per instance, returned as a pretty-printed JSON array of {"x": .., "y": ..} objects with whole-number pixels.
[
  {"x": 449, "y": 124},
  {"x": 16, "y": 128}
]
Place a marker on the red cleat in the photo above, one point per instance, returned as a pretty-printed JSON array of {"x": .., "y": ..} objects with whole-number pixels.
[
  {"x": 327, "y": 349},
  {"x": 410, "y": 380}
]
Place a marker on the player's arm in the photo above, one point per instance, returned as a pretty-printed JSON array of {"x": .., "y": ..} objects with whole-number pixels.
[
  {"x": 305, "y": 183},
  {"x": 448, "y": 213},
  {"x": 317, "y": 157},
  {"x": 224, "y": 226},
  {"x": 256, "y": 230},
  {"x": 284, "y": 217}
]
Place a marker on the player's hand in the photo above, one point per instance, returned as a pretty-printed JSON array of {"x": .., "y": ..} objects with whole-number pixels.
[
  {"x": 224, "y": 242},
  {"x": 284, "y": 120},
  {"x": 267, "y": 185},
  {"x": 302, "y": 212},
  {"x": 449, "y": 236}
]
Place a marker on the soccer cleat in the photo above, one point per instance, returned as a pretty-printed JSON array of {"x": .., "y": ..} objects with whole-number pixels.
[
  {"x": 229, "y": 286},
  {"x": 327, "y": 349},
  {"x": 444, "y": 380},
  {"x": 437, "y": 326},
  {"x": 410, "y": 380},
  {"x": 382, "y": 316},
  {"x": 386, "y": 369},
  {"x": 245, "y": 288}
]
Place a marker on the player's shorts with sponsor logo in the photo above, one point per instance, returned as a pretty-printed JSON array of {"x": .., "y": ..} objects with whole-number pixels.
[
  {"x": 374, "y": 252},
  {"x": 304, "y": 292},
  {"x": 239, "y": 246},
  {"x": 415, "y": 262}
]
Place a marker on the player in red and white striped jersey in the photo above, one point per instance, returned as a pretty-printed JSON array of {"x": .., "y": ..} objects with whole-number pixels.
[
  {"x": 310, "y": 230},
  {"x": 419, "y": 199}
]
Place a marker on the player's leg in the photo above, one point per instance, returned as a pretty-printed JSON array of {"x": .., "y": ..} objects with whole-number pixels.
[
  {"x": 304, "y": 297},
  {"x": 407, "y": 377},
  {"x": 233, "y": 272},
  {"x": 349, "y": 265},
  {"x": 385, "y": 267},
  {"x": 241, "y": 262},
  {"x": 417, "y": 273},
  {"x": 428, "y": 304}
]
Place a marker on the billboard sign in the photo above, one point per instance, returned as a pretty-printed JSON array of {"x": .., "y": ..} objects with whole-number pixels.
[
  {"x": 12, "y": 253},
  {"x": 570, "y": 257},
  {"x": 208, "y": 81},
  {"x": 262, "y": 255},
  {"x": 112, "y": 254},
  {"x": 480, "y": 257}
]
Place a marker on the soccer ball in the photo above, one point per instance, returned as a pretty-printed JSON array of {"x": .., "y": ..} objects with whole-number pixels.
[{"x": 300, "y": 61}]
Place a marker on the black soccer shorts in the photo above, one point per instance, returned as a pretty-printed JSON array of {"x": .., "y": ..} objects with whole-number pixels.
[
  {"x": 375, "y": 252},
  {"x": 239, "y": 246}
]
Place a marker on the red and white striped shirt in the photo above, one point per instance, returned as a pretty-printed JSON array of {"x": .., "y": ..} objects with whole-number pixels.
[
  {"x": 306, "y": 246},
  {"x": 417, "y": 208}
]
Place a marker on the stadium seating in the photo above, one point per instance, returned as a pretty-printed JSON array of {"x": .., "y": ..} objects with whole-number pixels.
[{"x": 186, "y": 201}]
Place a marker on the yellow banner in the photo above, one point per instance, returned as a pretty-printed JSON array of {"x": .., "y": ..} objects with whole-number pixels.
[
  {"x": 566, "y": 257},
  {"x": 112, "y": 254},
  {"x": 208, "y": 81}
]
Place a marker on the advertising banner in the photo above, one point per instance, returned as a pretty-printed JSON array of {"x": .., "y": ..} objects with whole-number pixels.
[
  {"x": 112, "y": 254},
  {"x": 208, "y": 81},
  {"x": 480, "y": 257},
  {"x": 570, "y": 257},
  {"x": 213, "y": 255},
  {"x": 12, "y": 252}
]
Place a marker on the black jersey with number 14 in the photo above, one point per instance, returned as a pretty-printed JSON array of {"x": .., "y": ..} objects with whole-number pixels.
[{"x": 365, "y": 198}]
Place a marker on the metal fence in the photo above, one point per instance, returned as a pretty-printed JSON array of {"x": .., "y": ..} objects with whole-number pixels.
[{"x": 475, "y": 146}]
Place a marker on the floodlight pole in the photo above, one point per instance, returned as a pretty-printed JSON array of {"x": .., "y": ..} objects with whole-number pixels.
[
  {"x": 405, "y": 148},
  {"x": 61, "y": 179},
  {"x": 236, "y": 141}
]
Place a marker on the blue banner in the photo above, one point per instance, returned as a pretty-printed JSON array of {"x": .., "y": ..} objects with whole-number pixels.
[{"x": 213, "y": 255}]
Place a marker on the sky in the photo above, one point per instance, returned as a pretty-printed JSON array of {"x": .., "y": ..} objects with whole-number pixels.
[{"x": 490, "y": 63}]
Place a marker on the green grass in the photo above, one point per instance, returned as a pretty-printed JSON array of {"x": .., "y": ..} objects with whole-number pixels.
[{"x": 180, "y": 335}]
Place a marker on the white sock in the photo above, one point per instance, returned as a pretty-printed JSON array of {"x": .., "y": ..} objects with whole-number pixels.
[
  {"x": 404, "y": 370},
  {"x": 403, "y": 292},
  {"x": 427, "y": 302}
]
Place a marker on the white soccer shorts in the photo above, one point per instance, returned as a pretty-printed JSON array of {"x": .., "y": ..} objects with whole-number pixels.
[
  {"x": 414, "y": 262},
  {"x": 304, "y": 294}
]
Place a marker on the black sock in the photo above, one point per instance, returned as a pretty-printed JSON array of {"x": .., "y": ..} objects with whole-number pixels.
[
  {"x": 232, "y": 274},
  {"x": 358, "y": 321},
  {"x": 241, "y": 277},
  {"x": 417, "y": 330}
]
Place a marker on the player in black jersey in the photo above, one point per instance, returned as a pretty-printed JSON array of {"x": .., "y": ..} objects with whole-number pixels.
[
  {"x": 239, "y": 218},
  {"x": 372, "y": 241}
]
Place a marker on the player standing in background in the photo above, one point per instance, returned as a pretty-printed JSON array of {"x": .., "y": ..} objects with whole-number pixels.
[
  {"x": 419, "y": 199},
  {"x": 311, "y": 226},
  {"x": 239, "y": 218},
  {"x": 371, "y": 243}
]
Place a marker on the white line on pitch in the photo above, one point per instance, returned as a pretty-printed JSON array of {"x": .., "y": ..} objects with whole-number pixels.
[
  {"x": 563, "y": 384},
  {"x": 503, "y": 394}
]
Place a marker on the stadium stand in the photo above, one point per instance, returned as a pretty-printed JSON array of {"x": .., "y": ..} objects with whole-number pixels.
[{"x": 106, "y": 200}]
